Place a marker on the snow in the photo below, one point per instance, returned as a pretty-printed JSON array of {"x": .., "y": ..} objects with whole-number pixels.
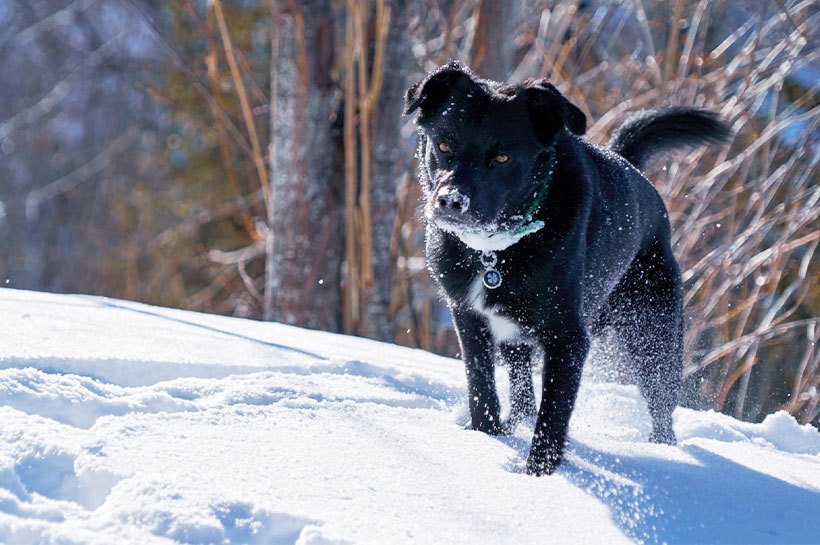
[
  {"x": 125, "y": 423},
  {"x": 491, "y": 238}
]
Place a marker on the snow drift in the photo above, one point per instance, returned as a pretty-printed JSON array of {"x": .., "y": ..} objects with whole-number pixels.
[{"x": 125, "y": 423}]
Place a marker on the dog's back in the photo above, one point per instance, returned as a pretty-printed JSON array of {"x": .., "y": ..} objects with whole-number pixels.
[{"x": 628, "y": 215}]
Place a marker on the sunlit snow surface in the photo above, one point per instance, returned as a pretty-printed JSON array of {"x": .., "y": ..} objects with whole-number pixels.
[{"x": 125, "y": 423}]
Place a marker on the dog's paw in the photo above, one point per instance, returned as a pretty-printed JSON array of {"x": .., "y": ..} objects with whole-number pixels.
[
  {"x": 490, "y": 428},
  {"x": 506, "y": 428},
  {"x": 509, "y": 426},
  {"x": 539, "y": 468},
  {"x": 663, "y": 438},
  {"x": 543, "y": 461}
]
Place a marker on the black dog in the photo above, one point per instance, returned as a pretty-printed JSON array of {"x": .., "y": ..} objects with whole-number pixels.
[{"x": 537, "y": 236}]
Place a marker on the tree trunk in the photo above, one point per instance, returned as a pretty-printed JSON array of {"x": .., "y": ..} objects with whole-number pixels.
[
  {"x": 390, "y": 163},
  {"x": 493, "y": 55},
  {"x": 305, "y": 238}
]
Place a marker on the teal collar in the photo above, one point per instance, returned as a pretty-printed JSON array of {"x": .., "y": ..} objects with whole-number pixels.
[{"x": 530, "y": 226}]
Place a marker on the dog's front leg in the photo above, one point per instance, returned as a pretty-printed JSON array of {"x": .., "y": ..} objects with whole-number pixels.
[
  {"x": 478, "y": 351},
  {"x": 565, "y": 350}
]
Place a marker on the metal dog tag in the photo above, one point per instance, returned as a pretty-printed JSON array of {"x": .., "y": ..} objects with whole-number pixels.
[{"x": 491, "y": 278}]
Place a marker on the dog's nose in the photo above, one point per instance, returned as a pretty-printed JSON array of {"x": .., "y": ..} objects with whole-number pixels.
[{"x": 451, "y": 199}]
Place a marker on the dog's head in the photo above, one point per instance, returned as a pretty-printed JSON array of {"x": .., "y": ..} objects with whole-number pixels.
[{"x": 485, "y": 147}]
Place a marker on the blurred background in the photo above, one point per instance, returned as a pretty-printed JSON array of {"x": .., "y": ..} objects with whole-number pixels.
[{"x": 250, "y": 158}]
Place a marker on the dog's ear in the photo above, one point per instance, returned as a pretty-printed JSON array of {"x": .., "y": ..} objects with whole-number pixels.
[
  {"x": 429, "y": 94},
  {"x": 576, "y": 120},
  {"x": 551, "y": 111}
]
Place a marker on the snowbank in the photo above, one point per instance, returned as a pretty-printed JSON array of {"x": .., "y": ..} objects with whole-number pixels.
[{"x": 124, "y": 423}]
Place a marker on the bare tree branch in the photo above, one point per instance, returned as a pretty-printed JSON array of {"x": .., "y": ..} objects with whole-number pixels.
[
  {"x": 57, "y": 93},
  {"x": 82, "y": 174}
]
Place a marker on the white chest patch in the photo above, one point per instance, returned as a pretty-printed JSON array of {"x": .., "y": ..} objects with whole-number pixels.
[{"x": 501, "y": 327}]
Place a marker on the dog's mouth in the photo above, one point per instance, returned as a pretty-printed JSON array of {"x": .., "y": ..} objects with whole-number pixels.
[
  {"x": 469, "y": 224},
  {"x": 490, "y": 237}
]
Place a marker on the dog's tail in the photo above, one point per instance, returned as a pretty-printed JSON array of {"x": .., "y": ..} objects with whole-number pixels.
[{"x": 652, "y": 133}]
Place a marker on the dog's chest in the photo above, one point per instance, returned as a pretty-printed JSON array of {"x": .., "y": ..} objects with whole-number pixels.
[{"x": 502, "y": 327}]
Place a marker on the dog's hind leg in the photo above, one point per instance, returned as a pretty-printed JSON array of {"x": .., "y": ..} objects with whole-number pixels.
[
  {"x": 650, "y": 325},
  {"x": 522, "y": 396}
]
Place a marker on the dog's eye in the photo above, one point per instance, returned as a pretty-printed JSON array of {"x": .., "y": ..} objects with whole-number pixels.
[
  {"x": 502, "y": 158},
  {"x": 443, "y": 147}
]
